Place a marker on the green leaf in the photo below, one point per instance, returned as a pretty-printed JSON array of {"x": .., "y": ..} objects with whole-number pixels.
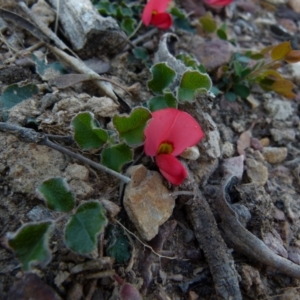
[
  {"x": 222, "y": 34},
  {"x": 230, "y": 96},
  {"x": 193, "y": 83},
  {"x": 30, "y": 243},
  {"x": 238, "y": 68},
  {"x": 180, "y": 19},
  {"x": 163, "y": 101},
  {"x": 131, "y": 128},
  {"x": 208, "y": 23},
  {"x": 87, "y": 135},
  {"x": 241, "y": 90},
  {"x": 118, "y": 244},
  {"x": 140, "y": 53},
  {"x": 116, "y": 156},
  {"x": 128, "y": 25},
  {"x": 256, "y": 56},
  {"x": 43, "y": 68},
  {"x": 162, "y": 77},
  {"x": 13, "y": 95},
  {"x": 84, "y": 226},
  {"x": 57, "y": 194},
  {"x": 214, "y": 90}
]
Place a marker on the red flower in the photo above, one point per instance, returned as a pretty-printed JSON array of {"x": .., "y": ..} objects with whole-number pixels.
[
  {"x": 155, "y": 14},
  {"x": 168, "y": 134},
  {"x": 218, "y": 3}
]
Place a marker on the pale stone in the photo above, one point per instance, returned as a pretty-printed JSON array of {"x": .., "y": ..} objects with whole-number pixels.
[
  {"x": 287, "y": 134},
  {"x": 81, "y": 189},
  {"x": 75, "y": 171},
  {"x": 147, "y": 201},
  {"x": 234, "y": 166},
  {"x": 254, "y": 103},
  {"x": 191, "y": 153},
  {"x": 227, "y": 150},
  {"x": 295, "y": 5},
  {"x": 265, "y": 142},
  {"x": 279, "y": 109},
  {"x": 295, "y": 70},
  {"x": 275, "y": 155},
  {"x": 102, "y": 107},
  {"x": 256, "y": 172},
  {"x": 29, "y": 164}
]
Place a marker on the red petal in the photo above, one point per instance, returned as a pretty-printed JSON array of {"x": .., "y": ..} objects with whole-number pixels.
[
  {"x": 171, "y": 168},
  {"x": 162, "y": 20},
  {"x": 160, "y": 5},
  {"x": 173, "y": 126},
  {"x": 147, "y": 12},
  {"x": 218, "y": 3}
]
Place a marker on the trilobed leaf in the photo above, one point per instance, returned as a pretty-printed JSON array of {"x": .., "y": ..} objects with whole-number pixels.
[
  {"x": 84, "y": 226},
  {"x": 193, "y": 83},
  {"x": 162, "y": 77},
  {"x": 57, "y": 194},
  {"x": 30, "y": 243},
  {"x": 131, "y": 128},
  {"x": 87, "y": 135},
  {"x": 164, "y": 101},
  {"x": 116, "y": 156}
]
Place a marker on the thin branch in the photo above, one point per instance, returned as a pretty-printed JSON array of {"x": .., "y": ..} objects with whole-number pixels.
[
  {"x": 145, "y": 245},
  {"x": 30, "y": 136},
  {"x": 43, "y": 28}
]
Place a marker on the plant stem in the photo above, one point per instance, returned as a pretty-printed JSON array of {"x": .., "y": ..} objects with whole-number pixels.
[{"x": 30, "y": 136}]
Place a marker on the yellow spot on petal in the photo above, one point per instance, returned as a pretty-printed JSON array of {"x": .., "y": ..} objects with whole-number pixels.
[{"x": 165, "y": 148}]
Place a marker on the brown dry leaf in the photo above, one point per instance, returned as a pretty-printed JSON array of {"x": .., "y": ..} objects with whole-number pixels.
[
  {"x": 31, "y": 287},
  {"x": 293, "y": 56},
  {"x": 281, "y": 50},
  {"x": 284, "y": 87}
]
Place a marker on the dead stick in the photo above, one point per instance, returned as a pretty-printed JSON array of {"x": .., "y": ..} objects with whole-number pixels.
[
  {"x": 30, "y": 136},
  {"x": 220, "y": 261},
  {"x": 245, "y": 242}
]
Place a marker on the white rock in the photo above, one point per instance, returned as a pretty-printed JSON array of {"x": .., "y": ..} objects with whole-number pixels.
[
  {"x": 102, "y": 107},
  {"x": 295, "y": 70},
  {"x": 191, "y": 153},
  {"x": 279, "y": 109}
]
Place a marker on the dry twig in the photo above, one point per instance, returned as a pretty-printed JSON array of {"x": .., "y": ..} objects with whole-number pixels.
[
  {"x": 30, "y": 136},
  {"x": 244, "y": 241}
]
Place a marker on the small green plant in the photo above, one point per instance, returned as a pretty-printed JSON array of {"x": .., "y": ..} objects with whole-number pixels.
[
  {"x": 31, "y": 241},
  {"x": 245, "y": 70},
  {"x": 209, "y": 25},
  {"x": 191, "y": 83}
]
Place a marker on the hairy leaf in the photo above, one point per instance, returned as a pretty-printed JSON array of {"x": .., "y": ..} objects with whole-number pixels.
[
  {"x": 87, "y": 134},
  {"x": 131, "y": 128},
  {"x": 57, "y": 194},
  {"x": 115, "y": 157},
  {"x": 193, "y": 83},
  {"x": 84, "y": 226},
  {"x": 30, "y": 243},
  {"x": 162, "y": 77}
]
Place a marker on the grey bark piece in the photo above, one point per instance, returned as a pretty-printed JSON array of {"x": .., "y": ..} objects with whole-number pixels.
[
  {"x": 219, "y": 258},
  {"x": 89, "y": 33}
]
